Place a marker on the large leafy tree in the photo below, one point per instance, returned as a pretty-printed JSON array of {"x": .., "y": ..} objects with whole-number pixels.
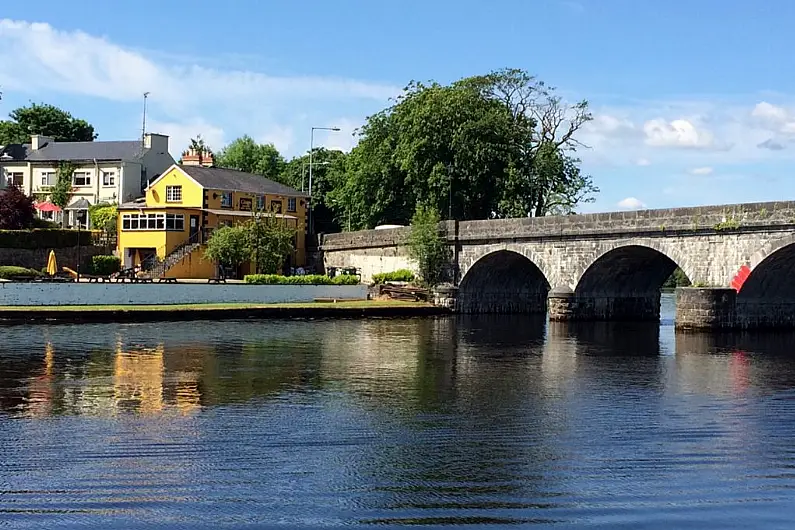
[
  {"x": 46, "y": 120},
  {"x": 427, "y": 246},
  {"x": 328, "y": 173},
  {"x": 16, "y": 209},
  {"x": 499, "y": 145},
  {"x": 271, "y": 241},
  {"x": 229, "y": 246},
  {"x": 244, "y": 154}
]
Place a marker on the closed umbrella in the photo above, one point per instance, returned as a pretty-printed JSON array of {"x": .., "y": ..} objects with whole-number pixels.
[{"x": 52, "y": 265}]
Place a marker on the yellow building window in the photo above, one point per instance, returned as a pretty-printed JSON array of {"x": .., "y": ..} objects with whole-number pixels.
[
  {"x": 226, "y": 199},
  {"x": 173, "y": 193},
  {"x": 291, "y": 204}
]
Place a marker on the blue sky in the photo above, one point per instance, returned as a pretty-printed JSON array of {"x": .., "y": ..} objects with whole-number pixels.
[{"x": 693, "y": 101}]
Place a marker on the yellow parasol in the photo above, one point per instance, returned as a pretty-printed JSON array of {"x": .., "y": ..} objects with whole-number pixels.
[{"x": 52, "y": 265}]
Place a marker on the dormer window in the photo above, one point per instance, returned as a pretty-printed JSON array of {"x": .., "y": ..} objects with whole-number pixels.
[{"x": 173, "y": 193}]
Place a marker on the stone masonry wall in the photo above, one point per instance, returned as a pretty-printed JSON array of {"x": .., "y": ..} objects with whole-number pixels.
[{"x": 37, "y": 258}]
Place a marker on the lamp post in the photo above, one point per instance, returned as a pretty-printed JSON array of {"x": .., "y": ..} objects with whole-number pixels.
[
  {"x": 311, "y": 149},
  {"x": 303, "y": 170}
]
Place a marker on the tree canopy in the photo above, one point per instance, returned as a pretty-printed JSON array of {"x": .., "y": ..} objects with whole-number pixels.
[
  {"x": 47, "y": 120},
  {"x": 244, "y": 154},
  {"x": 16, "y": 209}
]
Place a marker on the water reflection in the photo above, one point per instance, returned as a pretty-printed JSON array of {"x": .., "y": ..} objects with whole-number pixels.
[{"x": 478, "y": 420}]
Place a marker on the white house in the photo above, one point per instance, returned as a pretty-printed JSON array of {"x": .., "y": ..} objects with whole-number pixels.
[{"x": 114, "y": 172}]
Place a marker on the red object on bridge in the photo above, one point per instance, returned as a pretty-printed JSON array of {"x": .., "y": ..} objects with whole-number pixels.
[
  {"x": 740, "y": 277},
  {"x": 47, "y": 206}
]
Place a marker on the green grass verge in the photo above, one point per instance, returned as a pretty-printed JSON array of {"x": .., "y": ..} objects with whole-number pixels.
[{"x": 353, "y": 304}]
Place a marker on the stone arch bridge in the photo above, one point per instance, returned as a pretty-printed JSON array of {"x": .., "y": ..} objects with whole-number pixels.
[{"x": 609, "y": 266}]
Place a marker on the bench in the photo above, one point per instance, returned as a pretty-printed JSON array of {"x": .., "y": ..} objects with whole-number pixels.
[
  {"x": 167, "y": 280},
  {"x": 216, "y": 280}
]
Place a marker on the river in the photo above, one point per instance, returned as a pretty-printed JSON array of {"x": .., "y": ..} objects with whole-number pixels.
[{"x": 487, "y": 421}]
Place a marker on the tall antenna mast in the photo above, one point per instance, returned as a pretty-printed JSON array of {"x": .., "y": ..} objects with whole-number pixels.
[{"x": 143, "y": 127}]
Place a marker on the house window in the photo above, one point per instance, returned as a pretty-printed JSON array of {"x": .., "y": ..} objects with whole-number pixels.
[
  {"x": 291, "y": 204},
  {"x": 173, "y": 193},
  {"x": 260, "y": 203},
  {"x": 175, "y": 222},
  {"x": 108, "y": 178},
  {"x": 81, "y": 178},
  {"x": 226, "y": 199},
  {"x": 150, "y": 221},
  {"x": 48, "y": 179},
  {"x": 14, "y": 179},
  {"x": 276, "y": 206}
]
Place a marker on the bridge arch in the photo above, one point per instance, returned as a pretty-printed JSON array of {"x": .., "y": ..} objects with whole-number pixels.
[
  {"x": 624, "y": 282},
  {"x": 503, "y": 281},
  {"x": 772, "y": 272}
]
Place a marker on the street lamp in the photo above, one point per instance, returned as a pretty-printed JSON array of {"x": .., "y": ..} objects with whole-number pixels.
[
  {"x": 312, "y": 148},
  {"x": 303, "y": 170}
]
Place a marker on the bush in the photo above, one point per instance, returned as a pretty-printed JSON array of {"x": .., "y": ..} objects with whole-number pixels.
[
  {"x": 16, "y": 209},
  {"x": 8, "y": 272},
  {"x": 105, "y": 265},
  {"x": 44, "y": 223},
  {"x": 401, "y": 275},
  {"x": 43, "y": 238},
  {"x": 312, "y": 279}
]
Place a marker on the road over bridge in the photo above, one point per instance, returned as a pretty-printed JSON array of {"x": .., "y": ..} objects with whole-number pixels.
[{"x": 609, "y": 266}]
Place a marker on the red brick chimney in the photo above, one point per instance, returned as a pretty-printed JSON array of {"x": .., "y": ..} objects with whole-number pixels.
[{"x": 192, "y": 157}]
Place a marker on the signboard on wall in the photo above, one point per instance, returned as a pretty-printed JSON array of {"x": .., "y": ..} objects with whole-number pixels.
[{"x": 245, "y": 204}]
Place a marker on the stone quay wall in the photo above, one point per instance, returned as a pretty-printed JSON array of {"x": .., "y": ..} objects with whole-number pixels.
[{"x": 37, "y": 258}]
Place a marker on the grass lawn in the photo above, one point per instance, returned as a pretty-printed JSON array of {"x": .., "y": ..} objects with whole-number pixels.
[{"x": 355, "y": 304}]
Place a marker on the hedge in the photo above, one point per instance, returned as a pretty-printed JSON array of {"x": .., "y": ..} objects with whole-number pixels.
[
  {"x": 7, "y": 272},
  {"x": 401, "y": 275},
  {"x": 50, "y": 238},
  {"x": 311, "y": 279},
  {"x": 105, "y": 265}
]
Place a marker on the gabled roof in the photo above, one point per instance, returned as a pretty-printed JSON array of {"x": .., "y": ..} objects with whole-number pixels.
[
  {"x": 116, "y": 150},
  {"x": 233, "y": 180}
]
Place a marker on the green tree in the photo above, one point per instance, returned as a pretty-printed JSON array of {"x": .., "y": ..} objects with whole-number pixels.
[
  {"x": 677, "y": 279},
  {"x": 104, "y": 217},
  {"x": 543, "y": 178},
  {"x": 427, "y": 245},
  {"x": 328, "y": 173},
  {"x": 229, "y": 246},
  {"x": 271, "y": 241},
  {"x": 244, "y": 154},
  {"x": 46, "y": 120},
  {"x": 61, "y": 192}
]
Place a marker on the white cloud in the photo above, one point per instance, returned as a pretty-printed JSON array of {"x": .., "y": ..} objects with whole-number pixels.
[
  {"x": 676, "y": 133},
  {"x": 282, "y": 138},
  {"x": 40, "y": 59},
  {"x": 706, "y": 170},
  {"x": 642, "y": 162},
  {"x": 631, "y": 203},
  {"x": 180, "y": 134},
  {"x": 769, "y": 114}
]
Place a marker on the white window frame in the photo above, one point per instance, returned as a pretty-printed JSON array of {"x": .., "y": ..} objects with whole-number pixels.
[
  {"x": 227, "y": 200},
  {"x": 292, "y": 204},
  {"x": 177, "y": 222},
  {"x": 134, "y": 222},
  {"x": 173, "y": 193},
  {"x": 48, "y": 178},
  {"x": 10, "y": 178},
  {"x": 261, "y": 201},
  {"x": 86, "y": 175},
  {"x": 108, "y": 179}
]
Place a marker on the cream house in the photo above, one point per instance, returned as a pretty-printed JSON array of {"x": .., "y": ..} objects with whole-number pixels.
[{"x": 114, "y": 172}]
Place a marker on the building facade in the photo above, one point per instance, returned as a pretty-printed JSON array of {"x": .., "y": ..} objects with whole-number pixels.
[
  {"x": 165, "y": 232},
  {"x": 104, "y": 172}
]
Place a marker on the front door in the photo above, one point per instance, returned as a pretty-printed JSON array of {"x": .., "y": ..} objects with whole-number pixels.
[{"x": 194, "y": 227}]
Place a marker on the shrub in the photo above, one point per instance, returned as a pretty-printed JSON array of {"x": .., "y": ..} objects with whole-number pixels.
[
  {"x": 427, "y": 246},
  {"x": 44, "y": 223},
  {"x": 44, "y": 238},
  {"x": 401, "y": 275},
  {"x": 16, "y": 209},
  {"x": 8, "y": 272},
  {"x": 105, "y": 265},
  {"x": 312, "y": 279}
]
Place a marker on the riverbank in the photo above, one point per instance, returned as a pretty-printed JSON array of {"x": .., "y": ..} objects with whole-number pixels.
[{"x": 231, "y": 311}]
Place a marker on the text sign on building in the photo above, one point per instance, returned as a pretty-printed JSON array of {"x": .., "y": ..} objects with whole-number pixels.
[{"x": 246, "y": 204}]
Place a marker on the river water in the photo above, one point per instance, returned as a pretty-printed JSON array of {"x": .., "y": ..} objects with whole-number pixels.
[{"x": 488, "y": 421}]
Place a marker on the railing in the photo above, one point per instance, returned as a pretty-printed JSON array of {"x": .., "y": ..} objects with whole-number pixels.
[{"x": 156, "y": 266}]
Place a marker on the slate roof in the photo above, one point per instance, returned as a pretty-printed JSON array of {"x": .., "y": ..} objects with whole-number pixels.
[
  {"x": 117, "y": 150},
  {"x": 17, "y": 152},
  {"x": 233, "y": 180}
]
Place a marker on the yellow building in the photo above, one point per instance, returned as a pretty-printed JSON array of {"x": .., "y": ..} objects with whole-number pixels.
[{"x": 167, "y": 229}]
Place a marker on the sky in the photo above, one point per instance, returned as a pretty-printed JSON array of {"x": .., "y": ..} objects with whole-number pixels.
[{"x": 693, "y": 101}]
